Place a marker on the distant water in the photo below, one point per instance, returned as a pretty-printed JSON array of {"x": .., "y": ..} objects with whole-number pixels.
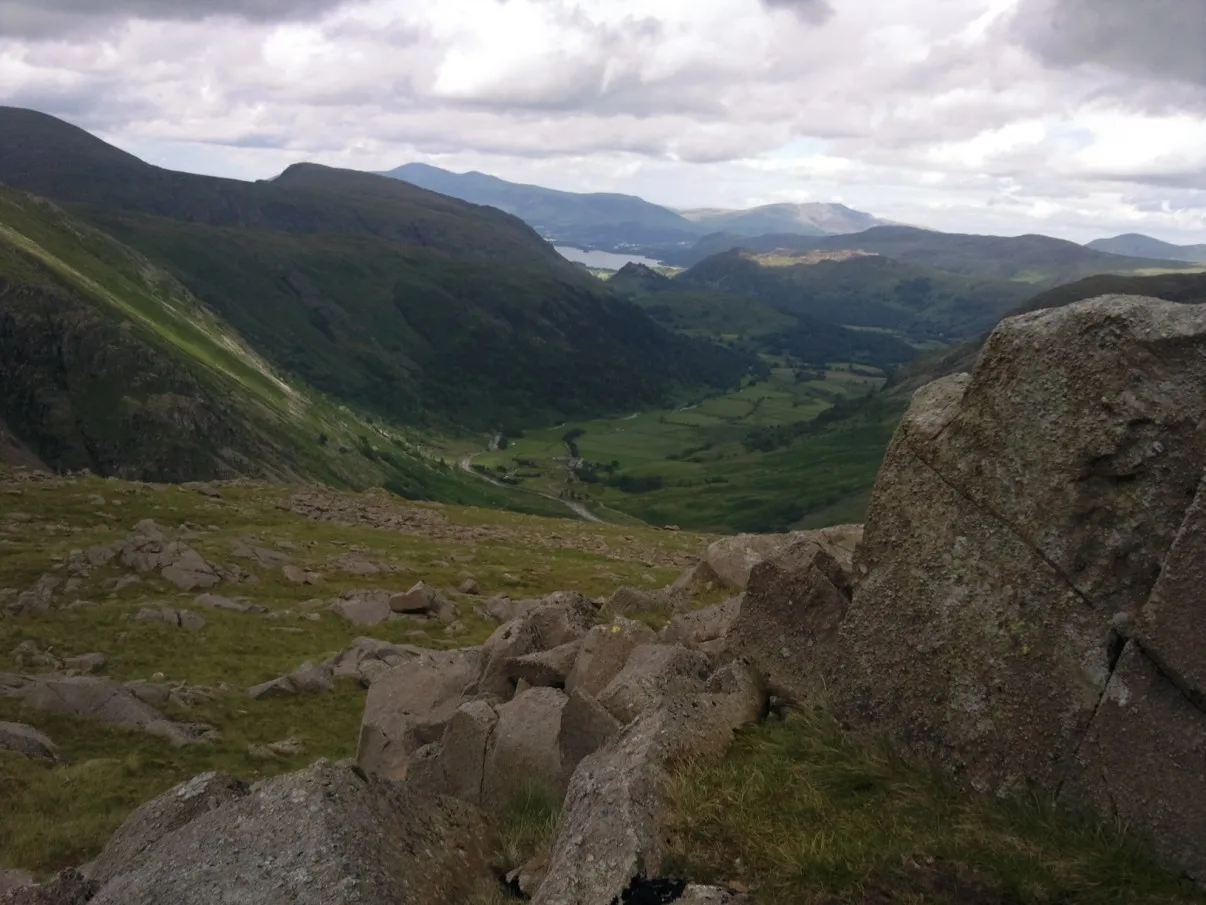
[{"x": 604, "y": 260}]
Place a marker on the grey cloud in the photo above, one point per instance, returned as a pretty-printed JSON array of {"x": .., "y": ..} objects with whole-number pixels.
[
  {"x": 1159, "y": 39},
  {"x": 815, "y": 12},
  {"x": 55, "y": 18}
]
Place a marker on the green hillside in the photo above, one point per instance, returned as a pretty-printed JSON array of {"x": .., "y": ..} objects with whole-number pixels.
[
  {"x": 417, "y": 307},
  {"x": 867, "y": 291},
  {"x": 1141, "y": 246},
  {"x": 1039, "y": 261}
]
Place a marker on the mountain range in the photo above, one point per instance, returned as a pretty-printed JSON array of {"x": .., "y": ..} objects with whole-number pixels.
[
  {"x": 367, "y": 294},
  {"x": 613, "y": 221},
  {"x": 1137, "y": 245}
]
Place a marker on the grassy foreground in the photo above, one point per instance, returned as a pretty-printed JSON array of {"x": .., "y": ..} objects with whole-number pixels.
[
  {"x": 801, "y": 814},
  {"x": 52, "y": 817}
]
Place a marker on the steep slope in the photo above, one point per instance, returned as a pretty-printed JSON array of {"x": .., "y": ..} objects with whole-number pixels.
[
  {"x": 812, "y": 219},
  {"x": 863, "y": 291},
  {"x": 1038, "y": 260},
  {"x": 752, "y": 323},
  {"x": 1187, "y": 288},
  {"x": 396, "y": 299},
  {"x": 1140, "y": 246},
  {"x": 597, "y": 219}
]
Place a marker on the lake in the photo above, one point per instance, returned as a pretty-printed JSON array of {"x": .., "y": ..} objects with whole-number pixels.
[{"x": 604, "y": 260}]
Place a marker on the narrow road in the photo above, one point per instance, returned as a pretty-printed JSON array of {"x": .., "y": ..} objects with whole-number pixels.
[{"x": 577, "y": 508}]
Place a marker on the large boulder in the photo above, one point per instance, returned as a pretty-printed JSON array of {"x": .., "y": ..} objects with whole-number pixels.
[
  {"x": 560, "y": 619},
  {"x": 326, "y": 834},
  {"x": 605, "y": 650},
  {"x": 409, "y": 706},
  {"x": 523, "y": 751},
  {"x": 652, "y": 672},
  {"x": 705, "y": 629},
  {"x": 610, "y": 829},
  {"x": 28, "y": 741},
  {"x": 732, "y": 558},
  {"x": 161, "y": 816},
  {"x": 1017, "y": 527},
  {"x": 788, "y": 622},
  {"x": 456, "y": 766}
]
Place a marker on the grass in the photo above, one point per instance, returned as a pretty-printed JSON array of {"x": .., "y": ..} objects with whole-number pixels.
[
  {"x": 711, "y": 479},
  {"x": 803, "y": 814},
  {"x": 526, "y": 827},
  {"x": 54, "y": 817}
]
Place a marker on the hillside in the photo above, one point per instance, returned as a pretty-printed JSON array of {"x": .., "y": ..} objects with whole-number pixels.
[
  {"x": 596, "y": 219},
  {"x": 863, "y": 291},
  {"x": 1140, "y": 246},
  {"x": 418, "y": 307},
  {"x": 812, "y": 219},
  {"x": 1037, "y": 260},
  {"x": 1187, "y": 288}
]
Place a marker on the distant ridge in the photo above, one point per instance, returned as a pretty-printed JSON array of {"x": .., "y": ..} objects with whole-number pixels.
[
  {"x": 811, "y": 219},
  {"x": 1140, "y": 246}
]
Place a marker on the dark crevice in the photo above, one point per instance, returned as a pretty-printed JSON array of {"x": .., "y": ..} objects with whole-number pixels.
[
  {"x": 510, "y": 886},
  {"x": 1114, "y": 648},
  {"x": 658, "y": 891},
  {"x": 1192, "y": 696}
]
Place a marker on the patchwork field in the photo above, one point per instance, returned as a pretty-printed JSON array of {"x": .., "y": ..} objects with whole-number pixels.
[{"x": 752, "y": 460}]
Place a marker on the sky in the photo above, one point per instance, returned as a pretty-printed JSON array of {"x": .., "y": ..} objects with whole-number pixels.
[{"x": 1074, "y": 118}]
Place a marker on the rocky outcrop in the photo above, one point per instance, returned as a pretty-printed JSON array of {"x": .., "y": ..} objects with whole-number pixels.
[
  {"x": 172, "y": 616},
  {"x": 367, "y": 659},
  {"x": 99, "y": 699},
  {"x": 788, "y": 622},
  {"x": 731, "y": 559},
  {"x": 28, "y": 741},
  {"x": 326, "y": 834},
  {"x": 148, "y": 549},
  {"x": 409, "y": 707},
  {"x": 560, "y": 619},
  {"x": 707, "y": 629},
  {"x": 1025, "y": 608},
  {"x": 308, "y": 678}
]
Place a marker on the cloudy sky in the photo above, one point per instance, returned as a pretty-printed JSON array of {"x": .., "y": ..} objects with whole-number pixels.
[{"x": 1076, "y": 118}]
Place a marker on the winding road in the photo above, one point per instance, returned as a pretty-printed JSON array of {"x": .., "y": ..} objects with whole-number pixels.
[{"x": 577, "y": 508}]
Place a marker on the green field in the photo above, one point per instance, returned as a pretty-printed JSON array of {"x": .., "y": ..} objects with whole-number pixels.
[{"x": 695, "y": 467}]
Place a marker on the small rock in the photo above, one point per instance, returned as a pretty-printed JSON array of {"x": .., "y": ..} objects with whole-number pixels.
[
  {"x": 28, "y": 741},
  {"x": 86, "y": 663}
]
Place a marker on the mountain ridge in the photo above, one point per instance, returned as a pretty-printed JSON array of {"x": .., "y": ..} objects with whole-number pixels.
[{"x": 1138, "y": 245}]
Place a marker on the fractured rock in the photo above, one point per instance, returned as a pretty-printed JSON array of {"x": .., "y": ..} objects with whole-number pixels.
[
  {"x": 605, "y": 650},
  {"x": 705, "y": 629},
  {"x": 523, "y": 750},
  {"x": 28, "y": 741},
  {"x": 560, "y": 619},
  {"x": 732, "y": 558},
  {"x": 652, "y": 672},
  {"x": 325, "y": 834}
]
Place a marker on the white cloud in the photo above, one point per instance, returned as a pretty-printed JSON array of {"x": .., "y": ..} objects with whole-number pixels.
[{"x": 960, "y": 114}]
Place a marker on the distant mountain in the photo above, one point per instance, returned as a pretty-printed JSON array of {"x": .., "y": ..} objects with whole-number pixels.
[
  {"x": 593, "y": 220},
  {"x": 860, "y": 290},
  {"x": 1139, "y": 246},
  {"x": 391, "y": 299},
  {"x": 1038, "y": 260},
  {"x": 812, "y": 219}
]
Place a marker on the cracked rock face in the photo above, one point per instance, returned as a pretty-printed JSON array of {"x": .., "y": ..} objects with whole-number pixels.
[{"x": 1018, "y": 527}]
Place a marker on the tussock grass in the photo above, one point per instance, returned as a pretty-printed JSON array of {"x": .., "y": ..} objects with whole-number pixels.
[
  {"x": 527, "y": 825},
  {"x": 804, "y": 814}
]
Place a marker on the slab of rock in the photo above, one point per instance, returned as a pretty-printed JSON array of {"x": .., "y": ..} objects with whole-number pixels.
[
  {"x": 705, "y": 629},
  {"x": 297, "y": 575},
  {"x": 523, "y": 751},
  {"x": 423, "y": 600},
  {"x": 456, "y": 766},
  {"x": 217, "y": 602},
  {"x": 326, "y": 834},
  {"x": 605, "y": 650},
  {"x": 184, "y": 619},
  {"x": 560, "y": 619},
  {"x": 1143, "y": 762},
  {"x": 610, "y": 830},
  {"x": 1021, "y": 517},
  {"x": 788, "y": 623},
  {"x": 364, "y": 607},
  {"x": 652, "y": 672},
  {"x": 86, "y": 663},
  {"x": 367, "y": 659},
  {"x": 410, "y": 706},
  {"x": 630, "y": 601},
  {"x": 549, "y": 667},
  {"x": 106, "y": 701},
  {"x": 306, "y": 679},
  {"x": 161, "y": 816},
  {"x": 586, "y": 726},
  {"x": 731, "y": 559},
  {"x": 28, "y": 741}
]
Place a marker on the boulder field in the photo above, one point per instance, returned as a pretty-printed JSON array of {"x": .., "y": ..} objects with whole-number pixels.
[{"x": 1023, "y": 608}]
